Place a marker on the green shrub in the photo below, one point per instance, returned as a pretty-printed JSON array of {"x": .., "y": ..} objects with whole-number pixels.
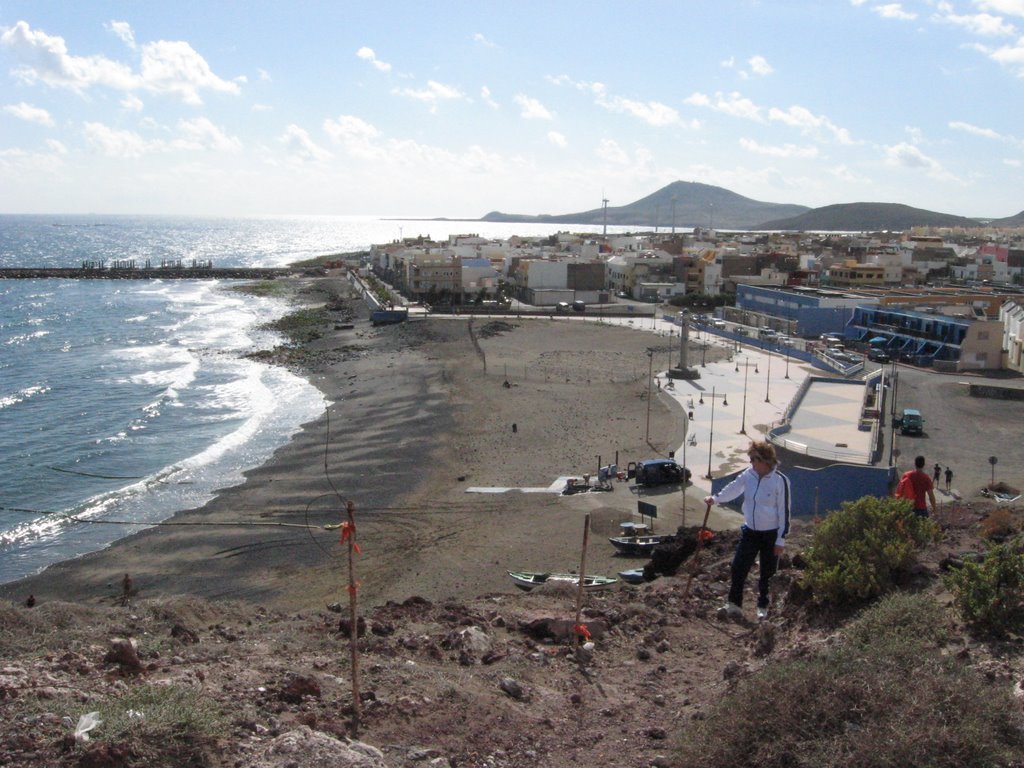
[
  {"x": 859, "y": 551},
  {"x": 899, "y": 619},
  {"x": 989, "y": 594},
  {"x": 877, "y": 698}
]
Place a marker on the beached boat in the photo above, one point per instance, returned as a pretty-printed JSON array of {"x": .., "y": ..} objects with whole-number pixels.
[
  {"x": 529, "y": 579},
  {"x": 639, "y": 546},
  {"x": 634, "y": 576}
]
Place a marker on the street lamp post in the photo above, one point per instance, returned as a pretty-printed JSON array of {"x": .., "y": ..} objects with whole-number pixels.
[
  {"x": 768, "y": 377},
  {"x": 743, "y": 421},
  {"x": 703, "y": 355},
  {"x": 711, "y": 432},
  {"x": 650, "y": 380}
]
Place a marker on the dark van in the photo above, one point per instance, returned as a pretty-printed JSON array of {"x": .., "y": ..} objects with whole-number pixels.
[
  {"x": 910, "y": 422},
  {"x": 660, "y": 472}
]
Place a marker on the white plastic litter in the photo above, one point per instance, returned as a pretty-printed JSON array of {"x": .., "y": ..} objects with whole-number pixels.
[{"x": 86, "y": 723}]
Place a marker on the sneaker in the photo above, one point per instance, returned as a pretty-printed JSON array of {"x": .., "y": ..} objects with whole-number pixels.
[
  {"x": 730, "y": 611},
  {"x": 762, "y": 614}
]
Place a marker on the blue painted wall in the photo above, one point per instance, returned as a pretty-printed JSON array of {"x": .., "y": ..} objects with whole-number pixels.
[{"x": 819, "y": 491}]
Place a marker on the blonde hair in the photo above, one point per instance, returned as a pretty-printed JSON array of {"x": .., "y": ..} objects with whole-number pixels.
[{"x": 763, "y": 450}]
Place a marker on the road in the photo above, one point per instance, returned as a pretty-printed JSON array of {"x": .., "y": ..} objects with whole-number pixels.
[{"x": 960, "y": 431}]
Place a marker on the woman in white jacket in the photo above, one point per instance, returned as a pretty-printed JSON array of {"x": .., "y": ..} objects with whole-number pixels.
[{"x": 766, "y": 505}]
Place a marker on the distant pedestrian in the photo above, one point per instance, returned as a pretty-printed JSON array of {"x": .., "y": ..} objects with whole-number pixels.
[
  {"x": 919, "y": 482},
  {"x": 936, "y": 473},
  {"x": 949, "y": 478}
]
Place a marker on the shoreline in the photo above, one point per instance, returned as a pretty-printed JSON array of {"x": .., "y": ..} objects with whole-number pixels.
[{"x": 404, "y": 448}]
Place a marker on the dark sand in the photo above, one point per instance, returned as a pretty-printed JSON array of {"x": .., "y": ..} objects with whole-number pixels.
[{"x": 421, "y": 412}]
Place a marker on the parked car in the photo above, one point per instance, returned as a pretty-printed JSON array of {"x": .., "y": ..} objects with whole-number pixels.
[
  {"x": 910, "y": 422},
  {"x": 878, "y": 356},
  {"x": 660, "y": 472}
]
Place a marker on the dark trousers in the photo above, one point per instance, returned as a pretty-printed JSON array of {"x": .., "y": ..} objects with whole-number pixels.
[{"x": 751, "y": 545}]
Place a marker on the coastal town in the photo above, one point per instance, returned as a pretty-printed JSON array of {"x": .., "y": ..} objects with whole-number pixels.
[{"x": 952, "y": 301}]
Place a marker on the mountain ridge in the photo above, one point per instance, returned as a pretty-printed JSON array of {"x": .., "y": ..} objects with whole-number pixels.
[{"x": 693, "y": 204}]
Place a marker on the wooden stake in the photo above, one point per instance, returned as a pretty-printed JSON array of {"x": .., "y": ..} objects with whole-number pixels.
[
  {"x": 696, "y": 554},
  {"x": 583, "y": 574},
  {"x": 353, "y": 617}
]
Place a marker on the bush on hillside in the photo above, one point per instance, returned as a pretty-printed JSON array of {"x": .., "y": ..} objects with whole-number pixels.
[
  {"x": 860, "y": 550},
  {"x": 880, "y": 697},
  {"x": 989, "y": 593}
]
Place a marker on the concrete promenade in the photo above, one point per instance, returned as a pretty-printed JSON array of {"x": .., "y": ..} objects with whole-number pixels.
[{"x": 746, "y": 396}]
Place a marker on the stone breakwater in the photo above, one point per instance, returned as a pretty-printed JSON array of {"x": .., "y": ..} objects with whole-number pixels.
[{"x": 164, "y": 273}]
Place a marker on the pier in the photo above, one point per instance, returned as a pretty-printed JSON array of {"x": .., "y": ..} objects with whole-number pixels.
[{"x": 175, "y": 272}]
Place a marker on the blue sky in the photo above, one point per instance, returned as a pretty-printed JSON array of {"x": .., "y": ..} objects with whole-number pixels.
[{"x": 460, "y": 108}]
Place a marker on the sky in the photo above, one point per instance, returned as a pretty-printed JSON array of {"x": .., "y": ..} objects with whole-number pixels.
[{"x": 455, "y": 109}]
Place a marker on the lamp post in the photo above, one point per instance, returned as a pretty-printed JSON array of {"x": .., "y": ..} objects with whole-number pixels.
[
  {"x": 743, "y": 421},
  {"x": 711, "y": 432},
  {"x": 704, "y": 354},
  {"x": 650, "y": 381},
  {"x": 768, "y": 376}
]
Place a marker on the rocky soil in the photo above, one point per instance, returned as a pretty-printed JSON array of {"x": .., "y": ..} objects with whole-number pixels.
[{"x": 499, "y": 681}]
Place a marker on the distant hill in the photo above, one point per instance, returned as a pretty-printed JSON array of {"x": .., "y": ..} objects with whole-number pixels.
[
  {"x": 1009, "y": 221},
  {"x": 865, "y": 217},
  {"x": 682, "y": 204}
]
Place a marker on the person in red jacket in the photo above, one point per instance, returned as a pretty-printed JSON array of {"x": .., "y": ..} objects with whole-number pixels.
[{"x": 924, "y": 488}]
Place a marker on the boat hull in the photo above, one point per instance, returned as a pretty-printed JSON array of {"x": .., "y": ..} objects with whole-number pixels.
[{"x": 528, "y": 580}]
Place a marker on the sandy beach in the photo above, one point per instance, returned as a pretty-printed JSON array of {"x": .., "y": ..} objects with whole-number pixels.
[{"x": 421, "y": 412}]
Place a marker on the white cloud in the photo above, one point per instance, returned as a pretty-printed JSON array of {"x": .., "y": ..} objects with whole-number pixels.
[
  {"x": 166, "y": 67},
  {"x": 651, "y": 112},
  {"x": 983, "y": 24},
  {"x": 1009, "y": 7},
  {"x": 975, "y": 130},
  {"x": 124, "y": 31},
  {"x": 301, "y": 147},
  {"x": 730, "y": 104},
  {"x": 131, "y": 103},
  {"x": 262, "y": 108},
  {"x": 480, "y": 39},
  {"x": 175, "y": 67},
  {"x": 785, "y": 151},
  {"x": 29, "y": 113},
  {"x": 117, "y": 143},
  {"x": 367, "y": 54},
  {"x": 47, "y": 61},
  {"x": 201, "y": 133},
  {"x": 532, "y": 109},
  {"x": 759, "y": 65},
  {"x": 485, "y": 95},
  {"x": 1010, "y": 56},
  {"x": 434, "y": 93},
  {"x": 263, "y": 75},
  {"x": 57, "y": 147},
  {"x": 894, "y": 11},
  {"x": 807, "y": 122},
  {"x": 908, "y": 156},
  {"x": 557, "y": 139},
  {"x": 1012, "y": 162},
  {"x": 357, "y": 136}
]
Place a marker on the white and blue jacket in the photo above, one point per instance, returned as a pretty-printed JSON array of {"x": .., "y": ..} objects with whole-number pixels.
[{"x": 766, "y": 501}]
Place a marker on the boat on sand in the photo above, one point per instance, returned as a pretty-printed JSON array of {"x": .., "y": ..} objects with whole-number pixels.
[{"x": 529, "y": 579}]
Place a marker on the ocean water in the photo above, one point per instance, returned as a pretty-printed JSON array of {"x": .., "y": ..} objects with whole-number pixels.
[{"x": 122, "y": 402}]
